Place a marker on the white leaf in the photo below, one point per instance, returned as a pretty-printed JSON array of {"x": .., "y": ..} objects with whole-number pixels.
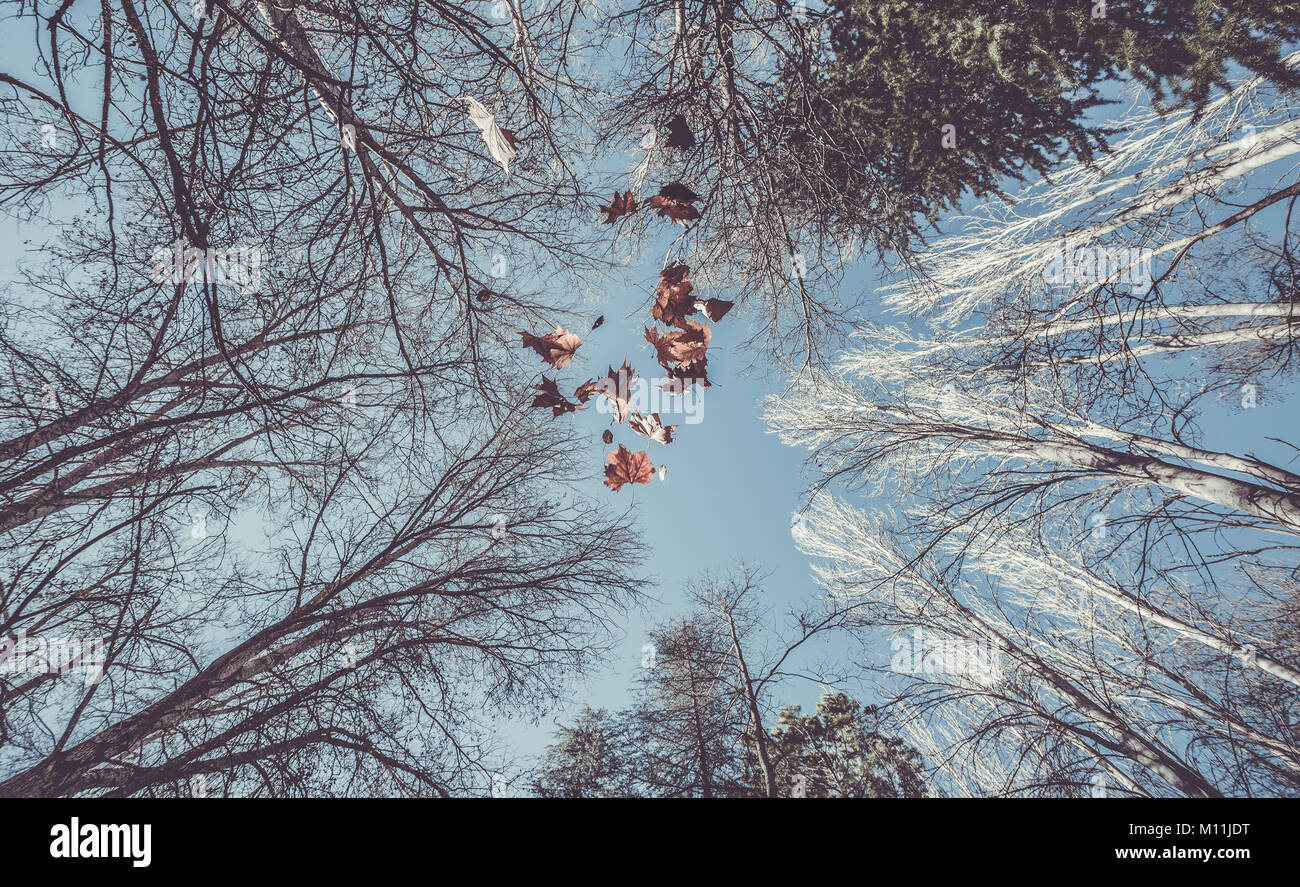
[{"x": 498, "y": 145}]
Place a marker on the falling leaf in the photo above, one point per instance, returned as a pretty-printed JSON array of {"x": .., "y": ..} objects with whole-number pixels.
[
  {"x": 687, "y": 347},
  {"x": 674, "y": 201},
  {"x": 599, "y": 321},
  {"x": 484, "y": 294},
  {"x": 626, "y": 467},
  {"x": 608, "y": 436},
  {"x": 555, "y": 348},
  {"x": 663, "y": 472},
  {"x": 678, "y": 192},
  {"x": 679, "y": 134},
  {"x": 650, "y": 426},
  {"x": 678, "y": 212},
  {"x": 500, "y": 145},
  {"x": 695, "y": 374},
  {"x": 585, "y": 391},
  {"x": 673, "y": 296},
  {"x": 551, "y": 397},
  {"x": 714, "y": 309},
  {"x": 617, "y": 386},
  {"x": 619, "y": 206}
]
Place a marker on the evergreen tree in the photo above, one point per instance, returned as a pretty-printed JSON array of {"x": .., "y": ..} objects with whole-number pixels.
[
  {"x": 589, "y": 760},
  {"x": 650, "y": 751},
  {"x": 839, "y": 753},
  {"x": 941, "y": 100}
]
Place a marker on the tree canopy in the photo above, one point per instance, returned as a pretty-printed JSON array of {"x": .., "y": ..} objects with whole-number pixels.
[{"x": 953, "y": 100}]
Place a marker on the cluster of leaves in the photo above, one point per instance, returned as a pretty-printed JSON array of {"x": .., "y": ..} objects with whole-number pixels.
[
  {"x": 674, "y": 201},
  {"x": 683, "y": 353},
  {"x": 622, "y": 465}
]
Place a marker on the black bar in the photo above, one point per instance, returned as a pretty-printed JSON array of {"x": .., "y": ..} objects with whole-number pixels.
[{"x": 216, "y": 836}]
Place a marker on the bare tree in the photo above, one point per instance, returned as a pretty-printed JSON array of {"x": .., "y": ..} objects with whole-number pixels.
[
  {"x": 1058, "y": 505},
  {"x": 1011, "y": 682},
  {"x": 263, "y": 450}
]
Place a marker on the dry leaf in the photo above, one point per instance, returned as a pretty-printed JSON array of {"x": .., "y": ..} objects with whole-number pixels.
[
  {"x": 673, "y": 296},
  {"x": 617, "y": 386},
  {"x": 555, "y": 348},
  {"x": 714, "y": 309},
  {"x": 619, "y": 206},
  {"x": 551, "y": 397},
  {"x": 650, "y": 426},
  {"x": 674, "y": 201},
  {"x": 679, "y": 134},
  {"x": 687, "y": 347},
  {"x": 695, "y": 374},
  {"x": 608, "y": 436},
  {"x": 678, "y": 212},
  {"x": 500, "y": 145},
  {"x": 626, "y": 467},
  {"x": 678, "y": 192}
]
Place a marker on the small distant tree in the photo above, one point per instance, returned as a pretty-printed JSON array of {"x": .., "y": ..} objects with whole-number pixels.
[
  {"x": 839, "y": 753},
  {"x": 589, "y": 759},
  {"x": 696, "y": 727}
]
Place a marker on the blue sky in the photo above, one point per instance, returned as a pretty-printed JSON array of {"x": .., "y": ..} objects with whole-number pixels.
[{"x": 729, "y": 495}]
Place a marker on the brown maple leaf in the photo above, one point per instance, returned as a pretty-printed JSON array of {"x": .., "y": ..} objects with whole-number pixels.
[
  {"x": 685, "y": 377},
  {"x": 678, "y": 192},
  {"x": 617, "y": 387},
  {"x": 585, "y": 391},
  {"x": 679, "y": 134},
  {"x": 681, "y": 213},
  {"x": 674, "y": 201},
  {"x": 714, "y": 309},
  {"x": 551, "y": 397},
  {"x": 650, "y": 426},
  {"x": 687, "y": 347},
  {"x": 626, "y": 467},
  {"x": 556, "y": 348},
  {"x": 608, "y": 436},
  {"x": 673, "y": 296},
  {"x": 619, "y": 206}
]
